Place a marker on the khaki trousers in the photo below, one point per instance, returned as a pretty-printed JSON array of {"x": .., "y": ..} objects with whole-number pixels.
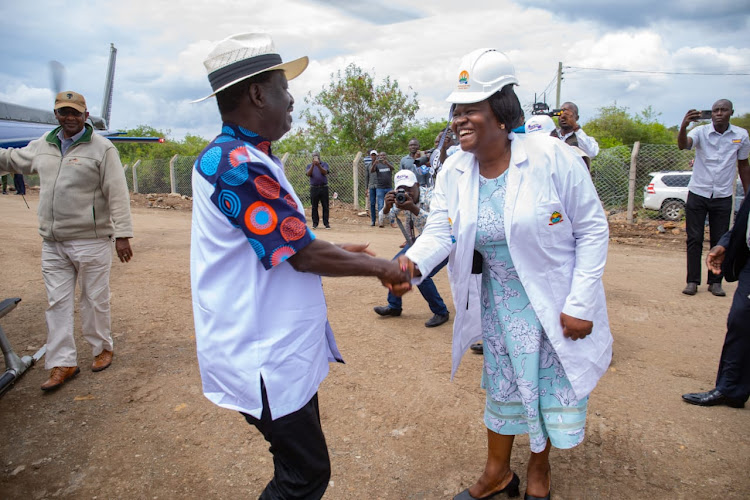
[{"x": 63, "y": 263}]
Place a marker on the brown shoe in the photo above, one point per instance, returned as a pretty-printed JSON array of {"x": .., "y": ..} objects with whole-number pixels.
[
  {"x": 59, "y": 375},
  {"x": 102, "y": 361}
]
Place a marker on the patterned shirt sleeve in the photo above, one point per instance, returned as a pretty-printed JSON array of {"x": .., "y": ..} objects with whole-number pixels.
[{"x": 254, "y": 201}]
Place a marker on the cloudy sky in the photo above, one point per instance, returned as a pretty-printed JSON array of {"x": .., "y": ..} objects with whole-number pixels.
[{"x": 678, "y": 54}]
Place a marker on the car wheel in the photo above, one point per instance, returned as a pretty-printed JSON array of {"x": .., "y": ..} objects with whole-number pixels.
[{"x": 673, "y": 210}]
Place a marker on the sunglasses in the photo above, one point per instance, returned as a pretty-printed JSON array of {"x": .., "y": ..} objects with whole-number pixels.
[{"x": 68, "y": 112}]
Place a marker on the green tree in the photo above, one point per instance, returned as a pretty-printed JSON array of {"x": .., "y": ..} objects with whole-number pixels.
[
  {"x": 614, "y": 126},
  {"x": 741, "y": 121},
  {"x": 353, "y": 113}
]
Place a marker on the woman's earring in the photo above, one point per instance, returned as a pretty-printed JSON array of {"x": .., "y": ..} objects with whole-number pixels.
[{"x": 502, "y": 126}]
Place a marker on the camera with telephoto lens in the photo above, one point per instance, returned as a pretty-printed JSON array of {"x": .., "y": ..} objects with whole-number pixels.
[{"x": 401, "y": 196}]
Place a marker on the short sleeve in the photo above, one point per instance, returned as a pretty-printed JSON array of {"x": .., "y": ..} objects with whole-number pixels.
[
  {"x": 744, "y": 150},
  {"x": 695, "y": 136},
  {"x": 253, "y": 200}
]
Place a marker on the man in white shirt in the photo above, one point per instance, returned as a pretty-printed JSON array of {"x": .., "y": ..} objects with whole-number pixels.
[
  {"x": 572, "y": 133},
  {"x": 262, "y": 335},
  {"x": 718, "y": 147}
]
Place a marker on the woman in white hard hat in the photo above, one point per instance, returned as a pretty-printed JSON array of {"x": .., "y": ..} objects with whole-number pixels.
[{"x": 528, "y": 206}]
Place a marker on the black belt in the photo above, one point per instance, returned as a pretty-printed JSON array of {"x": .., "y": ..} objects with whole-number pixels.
[{"x": 318, "y": 185}]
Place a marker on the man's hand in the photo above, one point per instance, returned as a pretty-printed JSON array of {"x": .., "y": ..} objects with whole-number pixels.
[
  {"x": 124, "y": 252},
  {"x": 715, "y": 258},
  {"x": 691, "y": 116},
  {"x": 574, "y": 328},
  {"x": 357, "y": 247},
  {"x": 397, "y": 278}
]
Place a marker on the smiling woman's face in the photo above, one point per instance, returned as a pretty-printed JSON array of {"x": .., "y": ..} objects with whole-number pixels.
[{"x": 475, "y": 125}]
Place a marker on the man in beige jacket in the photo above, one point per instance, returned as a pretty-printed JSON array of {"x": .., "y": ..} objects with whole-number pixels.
[{"x": 83, "y": 204}]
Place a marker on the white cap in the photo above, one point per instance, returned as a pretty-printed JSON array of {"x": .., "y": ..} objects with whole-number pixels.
[
  {"x": 539, "y": 123},
  {"x": 373, "y": 152},
  {"x": 480, "y": 74},
  {"x": 404, "y": 178}
]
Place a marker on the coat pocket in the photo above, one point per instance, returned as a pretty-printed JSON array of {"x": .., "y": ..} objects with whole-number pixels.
[{"x": 553, "y": 225}]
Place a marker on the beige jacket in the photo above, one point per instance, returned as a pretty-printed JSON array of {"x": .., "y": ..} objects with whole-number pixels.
[{"x": 83, "y": 195}]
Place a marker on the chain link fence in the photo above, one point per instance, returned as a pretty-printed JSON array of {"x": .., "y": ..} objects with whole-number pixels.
[{"x": 610, "y": 171}]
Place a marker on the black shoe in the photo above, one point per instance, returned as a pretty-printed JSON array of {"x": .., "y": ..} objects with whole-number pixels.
[
  {"x": 328, "y": 227},
  {"x": 437, "y": 320},
  {"x": 387, "y": 311},
  {"x": 315, "y": 227},
  {"x": 511, "y": 489},
  {"x": 477, "y": 348},
  {"x": 526, "y": 496},
  {"x": 691, "y": 289},
  {"x": 715, "y": 288},
  {"x": 712, "y": 398}
]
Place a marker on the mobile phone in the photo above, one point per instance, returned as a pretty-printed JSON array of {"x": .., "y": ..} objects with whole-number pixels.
[{"x": 706, "y": 114}]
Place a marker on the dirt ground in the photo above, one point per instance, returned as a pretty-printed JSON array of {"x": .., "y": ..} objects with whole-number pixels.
[{"x": 397, "y": 427}]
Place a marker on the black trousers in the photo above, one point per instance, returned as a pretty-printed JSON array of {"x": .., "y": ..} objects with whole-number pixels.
[
  {"x": 301, "y": 466},
  {"x": 719, "y": 212},
  {"x": 733, "y": 379},
  {"x": 319, "y": 194},
  {"x": 19, "y": 184}
]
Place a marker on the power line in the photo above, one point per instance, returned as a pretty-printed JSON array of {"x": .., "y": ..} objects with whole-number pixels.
[{"x": 657, "y": 72}]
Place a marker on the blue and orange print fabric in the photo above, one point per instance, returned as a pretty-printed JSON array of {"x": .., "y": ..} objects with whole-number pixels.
[{"x": 250, "y": 196}]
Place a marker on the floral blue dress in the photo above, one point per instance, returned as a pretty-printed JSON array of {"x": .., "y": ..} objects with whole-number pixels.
[{"x": 527, "y": 389}]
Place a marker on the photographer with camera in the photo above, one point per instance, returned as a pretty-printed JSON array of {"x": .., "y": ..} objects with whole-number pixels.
[
  {"x": 414, "y": 202},
  {"x": 718, "y": 147},
  {"x": 572, "y": 133}
]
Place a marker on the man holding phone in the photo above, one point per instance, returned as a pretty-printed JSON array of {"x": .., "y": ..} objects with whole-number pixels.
[{"x": 718, "y": 146}]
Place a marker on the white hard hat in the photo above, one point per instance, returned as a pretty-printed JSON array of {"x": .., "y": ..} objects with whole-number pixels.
[
  {"x": 539, "y": 123},
  {"x": 480, "y": 74}
]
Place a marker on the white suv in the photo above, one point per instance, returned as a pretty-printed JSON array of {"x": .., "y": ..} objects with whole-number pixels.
[{"x": 667, "y": 192}]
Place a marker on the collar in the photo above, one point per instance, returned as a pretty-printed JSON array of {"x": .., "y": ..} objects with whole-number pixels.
[
  {"x": 61, "y": 135},
  {"x": 517, "y": 155},
  {"x": 729, "y": 129},
  {"x": 85, "y": 136},
  {"x": 230, "y": 131}
]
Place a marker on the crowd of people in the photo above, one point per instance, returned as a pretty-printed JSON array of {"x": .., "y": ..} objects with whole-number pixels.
[{"x": 506, "y": 205}]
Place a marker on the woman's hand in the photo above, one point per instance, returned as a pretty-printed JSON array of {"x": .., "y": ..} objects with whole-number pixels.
[{"x": 574, "y": 328}]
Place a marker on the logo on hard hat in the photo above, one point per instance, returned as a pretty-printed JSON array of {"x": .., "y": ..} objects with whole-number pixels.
[{"x": 463, "y": 80}]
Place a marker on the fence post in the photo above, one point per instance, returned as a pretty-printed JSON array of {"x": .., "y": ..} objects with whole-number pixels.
[
  {"x": 135, "y": 175},
  {"x": 283, "y": 161},
  {"x": 355, "y": 179},
  {"x": 631, "y": 180},
  {"x": 172, "y": 177}
]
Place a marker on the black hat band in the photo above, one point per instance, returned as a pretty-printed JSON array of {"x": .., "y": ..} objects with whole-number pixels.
[{"x": 235, "y": 71}]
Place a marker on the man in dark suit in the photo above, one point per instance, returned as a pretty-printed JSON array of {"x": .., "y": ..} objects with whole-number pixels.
[{"x": 730, "y": 256}]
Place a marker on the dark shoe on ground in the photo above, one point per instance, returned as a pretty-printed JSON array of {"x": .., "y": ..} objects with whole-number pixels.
[
  {"x": 437, "y": 320},
  {"x": 712, "y": 398},
  {"x": 59, "y": 375},
  {"x": 477, "y": 348},
  {"x": 328, "y": 227},
  {"x": 315, "y": 227},
  {"x": 526, "y": 496},
  {"x": 102, "y": 361},
  {"x": 715, "y": 288},
  {"x": 691, "y": 289},
  {"x": 387, "y": 311},
  {"x": 511, "y": 489}
]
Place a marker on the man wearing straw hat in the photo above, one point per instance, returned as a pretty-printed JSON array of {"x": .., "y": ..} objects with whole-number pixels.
[{"x": 263, "y": 339}]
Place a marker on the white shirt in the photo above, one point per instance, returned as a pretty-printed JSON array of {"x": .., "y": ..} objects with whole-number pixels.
[
  {"x": 587, "y": 143},
  {"x": 560, "y": 263},
  {"x": 716, "y": 158},
  {"x": 251, "y": 322}
]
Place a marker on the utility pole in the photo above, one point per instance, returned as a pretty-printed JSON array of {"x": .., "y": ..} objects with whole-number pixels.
[{"x": 559, "y": 82}]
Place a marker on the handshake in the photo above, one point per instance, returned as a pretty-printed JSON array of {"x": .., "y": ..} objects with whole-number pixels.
[{"x": 398, "y": 279}]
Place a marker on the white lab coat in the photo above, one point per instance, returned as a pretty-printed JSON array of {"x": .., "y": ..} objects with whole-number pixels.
[{"x": 560, "y": 262}]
